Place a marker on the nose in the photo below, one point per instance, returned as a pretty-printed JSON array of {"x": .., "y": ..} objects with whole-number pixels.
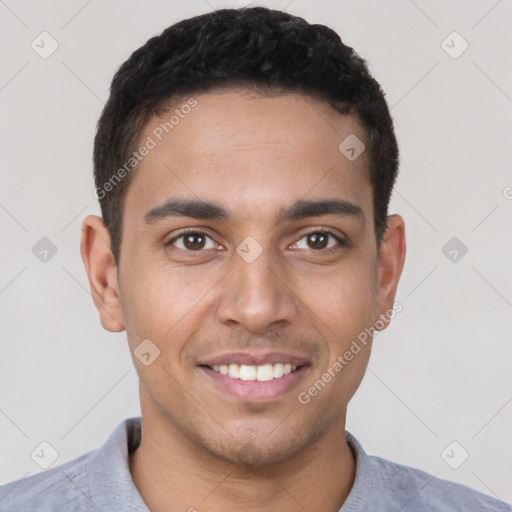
[{"x": 258, "y": 296}]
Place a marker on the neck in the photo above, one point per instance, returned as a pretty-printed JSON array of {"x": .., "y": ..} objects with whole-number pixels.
[{"x": 172, "y": 472}]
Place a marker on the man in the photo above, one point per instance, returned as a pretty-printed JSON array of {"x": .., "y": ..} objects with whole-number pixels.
[{"x": 244, "y": 164}]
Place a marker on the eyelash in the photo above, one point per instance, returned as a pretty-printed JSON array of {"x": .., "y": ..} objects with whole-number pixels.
[{"x": 331, "y": 250}]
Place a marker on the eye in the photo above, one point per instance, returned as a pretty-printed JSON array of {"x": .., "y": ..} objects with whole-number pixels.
[
  {"x": 319, "y": 241},
  {"x": 193, "y": 241}
]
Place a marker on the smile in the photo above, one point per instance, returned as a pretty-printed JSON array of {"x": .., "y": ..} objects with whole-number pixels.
[
  {"x": 255, "y": 383},
  {"x": 261, "y": 373}
]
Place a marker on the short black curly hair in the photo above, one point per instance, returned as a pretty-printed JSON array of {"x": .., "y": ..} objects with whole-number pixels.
[{"x": 258, "y": 48}]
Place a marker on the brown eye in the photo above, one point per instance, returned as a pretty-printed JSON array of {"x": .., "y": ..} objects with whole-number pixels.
[
  {"x": 193, "y": 241},
  {"x": 318, "y": 240}
]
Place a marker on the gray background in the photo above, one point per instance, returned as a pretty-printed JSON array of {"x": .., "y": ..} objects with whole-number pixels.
[{"x": 441, "y": 373}]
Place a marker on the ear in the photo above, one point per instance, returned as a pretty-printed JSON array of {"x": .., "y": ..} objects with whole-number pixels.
[
  {"x": 390, "y": 265},
  {"x": 102, "y": 273}
]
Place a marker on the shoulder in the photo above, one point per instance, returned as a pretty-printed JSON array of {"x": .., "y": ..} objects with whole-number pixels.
[
  {"x": 64, "y": 487},
  {"x": 97, "y": 480},
  {"x": 414, "y": 489}
]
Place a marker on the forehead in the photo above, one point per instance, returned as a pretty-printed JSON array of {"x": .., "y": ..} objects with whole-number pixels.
[{"x": 246, "y": 150}]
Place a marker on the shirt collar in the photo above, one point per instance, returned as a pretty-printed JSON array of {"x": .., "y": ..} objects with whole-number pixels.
[
  {"x": 111, "y": 461},
  {"x": 109, "y": 474}
]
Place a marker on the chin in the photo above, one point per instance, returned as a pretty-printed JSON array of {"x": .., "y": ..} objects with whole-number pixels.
[
  {"x": 253, "y": 451},
  {"x": 253, "y": 456}
]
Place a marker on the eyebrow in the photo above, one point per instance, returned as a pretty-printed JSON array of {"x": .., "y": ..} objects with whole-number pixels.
[{"x": 206, "y": 210}]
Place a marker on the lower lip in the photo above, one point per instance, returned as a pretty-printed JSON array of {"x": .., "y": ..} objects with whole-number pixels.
[{"x": 255, "y": 389}]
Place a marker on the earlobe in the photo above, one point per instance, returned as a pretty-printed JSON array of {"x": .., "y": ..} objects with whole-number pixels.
[
  {"x": 101, "y": 272},
  {"x": 390, "y": 265}
]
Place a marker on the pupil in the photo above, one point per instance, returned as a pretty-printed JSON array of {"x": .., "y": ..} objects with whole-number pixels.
[
  {"x": 316, "y": 236},
  {"x": 194, "y": 244}
]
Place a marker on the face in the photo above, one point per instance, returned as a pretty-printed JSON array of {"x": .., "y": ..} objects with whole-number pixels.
[{"x": 249, "y": 249}]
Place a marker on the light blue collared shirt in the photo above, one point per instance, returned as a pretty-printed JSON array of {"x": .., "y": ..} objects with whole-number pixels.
[{"x": 100, "y": 481}]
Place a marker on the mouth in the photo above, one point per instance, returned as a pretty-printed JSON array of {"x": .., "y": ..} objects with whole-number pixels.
[
  {"x": 261, "y": 373},
  {"x": 256, "y": 382}
]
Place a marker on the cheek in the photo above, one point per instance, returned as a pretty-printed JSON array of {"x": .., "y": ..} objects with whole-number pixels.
[
  {"x": 162, "y": 303},
  {"x": 344, "y": 310},
  {"x": 343, "y": 297},
  {"x": 343, "y": 305}
]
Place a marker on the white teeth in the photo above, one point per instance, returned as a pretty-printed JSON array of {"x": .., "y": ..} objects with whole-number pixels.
[
  {"x": 260, "y": 373},
  {"x": 234, "y": 371},
  {"x": 247, "y": 372},
  {"x": 278, "y": 370},
  {"x": 265, "y": 372}
]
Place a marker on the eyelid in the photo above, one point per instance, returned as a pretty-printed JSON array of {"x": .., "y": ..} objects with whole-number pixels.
[
  {"x": 327, "y": 231},
  {"x": 187, "y": 231},
  {"x": 342, "y": 242}
]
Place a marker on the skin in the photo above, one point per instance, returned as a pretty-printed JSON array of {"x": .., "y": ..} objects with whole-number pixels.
[{"x": 254, "y": 155}]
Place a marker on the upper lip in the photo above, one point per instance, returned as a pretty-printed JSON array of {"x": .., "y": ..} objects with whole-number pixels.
[{"x": 254, "y": 359}]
